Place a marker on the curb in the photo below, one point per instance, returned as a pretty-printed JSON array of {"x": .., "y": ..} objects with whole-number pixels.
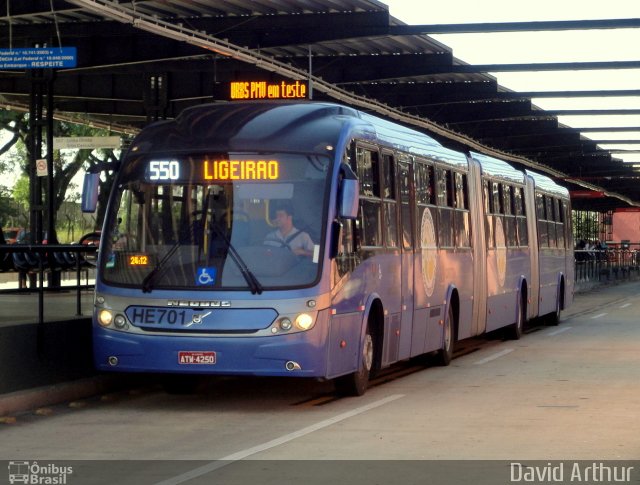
[{"x": 24, "y": 400}]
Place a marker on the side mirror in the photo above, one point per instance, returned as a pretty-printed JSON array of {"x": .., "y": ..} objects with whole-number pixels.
[
  {"x": 90, "y": 192},
  {"x": 348, "y": 197}
]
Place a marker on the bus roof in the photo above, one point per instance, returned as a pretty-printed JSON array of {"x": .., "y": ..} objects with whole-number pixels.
[
  {"x": 281, "y": 126},
  {"x": 412, "y": 141},
  {"x": 547, "y": 184},
  {"x": 498, "y": 169},
  {"x": 247, "y": 126}
]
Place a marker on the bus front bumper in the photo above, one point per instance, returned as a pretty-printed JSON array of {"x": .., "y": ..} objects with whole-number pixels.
[{"x": 300, "y": 354}]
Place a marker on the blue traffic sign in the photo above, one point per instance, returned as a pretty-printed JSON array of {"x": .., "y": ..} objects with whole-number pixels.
[{"x": 38, "y": 58}]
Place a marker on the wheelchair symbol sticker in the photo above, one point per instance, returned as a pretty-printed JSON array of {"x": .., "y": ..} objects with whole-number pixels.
[{"x": 206, "y": 276}]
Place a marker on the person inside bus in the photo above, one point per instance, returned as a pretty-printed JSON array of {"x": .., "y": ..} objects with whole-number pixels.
[{"x": 287, "y": 235}]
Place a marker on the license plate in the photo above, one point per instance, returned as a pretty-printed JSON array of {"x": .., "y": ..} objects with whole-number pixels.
[{"x": 188, "y": 357}]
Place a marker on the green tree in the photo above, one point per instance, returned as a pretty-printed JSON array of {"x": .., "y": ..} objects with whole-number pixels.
[
  {"x": 66, "y": 164},
  {"x": 21, "y": 191},
  {"x": 14, "y": 126}
]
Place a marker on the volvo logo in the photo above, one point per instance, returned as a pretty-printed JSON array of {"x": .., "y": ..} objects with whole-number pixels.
[
  {"x": 197, "y": 319},
  {"x": 199, "y": 303}
]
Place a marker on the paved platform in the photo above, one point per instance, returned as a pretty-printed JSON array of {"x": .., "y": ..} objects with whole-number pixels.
[
  {"x": 59, "y": 305},
  {"x": 44, "y": 364}
]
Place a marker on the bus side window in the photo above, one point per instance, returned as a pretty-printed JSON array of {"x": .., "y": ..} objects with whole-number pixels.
[
  {"x": 389, "y": 203},
  {"x": 560, "y": 223},
  {"x": 509, "y": 218},
  {"x": 487, "y": 188},
  {"x": 425, "y": 184},
  {"x": 347, "y": 257},
  {"x": 388, "y": 177},
  {"x": 523, "y": 236},
  {"x": 486, "y": 197},
  {"x": 462, "y": 198},
  {"x": 463, "y": 221},
  {"x": 543, "y": 234},
  {"x": 368, "y": 172},
  {"x": 551, "y": 218},
  {"x": 445, "y": 197},
  {"x": 406, "y": 226},
  {"x": 370, "y": 227},
  {"x": 496, "y": 207},
  {"x": 347, "y": 240}
]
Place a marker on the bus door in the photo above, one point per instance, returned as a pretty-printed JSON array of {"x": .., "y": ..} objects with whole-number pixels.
[
  {"x": 405, "y": 179},
  {"x": 478, "y": 206},
  {"x": 532, "y": 228}
]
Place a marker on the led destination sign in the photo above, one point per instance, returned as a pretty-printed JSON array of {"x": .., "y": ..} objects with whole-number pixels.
[
  {"x": 265, "y": 90},
  {"x": 241, "y": 170},
  {"x": 219, "y": 170}
]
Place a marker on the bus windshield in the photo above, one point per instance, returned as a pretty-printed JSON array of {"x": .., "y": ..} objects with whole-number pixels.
[{"x": 228, "y": 221}]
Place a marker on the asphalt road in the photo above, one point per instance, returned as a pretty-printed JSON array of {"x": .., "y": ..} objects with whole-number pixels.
[{"x": 560, "y": 393}]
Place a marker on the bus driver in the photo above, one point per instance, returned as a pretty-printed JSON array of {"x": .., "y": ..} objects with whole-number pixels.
[{"x": 299, "y": 242}]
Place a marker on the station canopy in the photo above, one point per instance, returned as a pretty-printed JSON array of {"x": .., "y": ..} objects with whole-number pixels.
[{"x": 143, "y": 60}]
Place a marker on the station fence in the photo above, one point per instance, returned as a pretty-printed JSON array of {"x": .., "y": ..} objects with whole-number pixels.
[{"x": 607, "y": 265}]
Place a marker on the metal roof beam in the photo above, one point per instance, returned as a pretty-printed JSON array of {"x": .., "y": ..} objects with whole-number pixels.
[
  {"x": 532, "y": 67},
  {"x": 617, "y": 142},
  {"x": 363, "y": 68},
  {"x": 487, "y": 130},
  {"x": 541, "y": 143},
  {"x": 571, "y": 94},
  {"x": 590, "y": 112},
  {"x": 255, "y": 32},
  {"x": 611, "y": 129},
  {"x": 428, "y": 94},
  {"x": 476, "y": 112},
  {"x": 514, "y": 26}
]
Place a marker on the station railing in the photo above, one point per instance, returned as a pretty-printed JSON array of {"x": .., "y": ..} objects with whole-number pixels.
[
  {"x": 41, "y": 268},
  {"x": 601, "y": 266}
]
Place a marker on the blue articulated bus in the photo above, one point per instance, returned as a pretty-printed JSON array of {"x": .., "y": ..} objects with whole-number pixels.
[{"x": 314, "y": 240}]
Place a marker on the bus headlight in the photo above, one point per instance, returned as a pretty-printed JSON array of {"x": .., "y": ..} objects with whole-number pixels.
[
  {"x": 105, "y": 317},
  {"x": 304, "y": 321}
]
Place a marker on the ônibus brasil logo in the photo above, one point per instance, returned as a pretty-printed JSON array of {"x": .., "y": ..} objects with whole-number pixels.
[{"x": 34, "y": 473}]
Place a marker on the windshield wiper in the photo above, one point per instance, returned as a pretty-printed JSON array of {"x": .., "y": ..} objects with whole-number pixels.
[
  {"x": 250, "y": 278},
  {"x": 147, "y": 282}
]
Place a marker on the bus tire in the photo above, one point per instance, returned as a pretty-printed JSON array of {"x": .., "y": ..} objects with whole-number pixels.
[
  {"x": 445, "y": 354},
  {"x": 356, "y": 383},
  {"x": 553, "y": 318},
  {"x": 514, "y": 332}
]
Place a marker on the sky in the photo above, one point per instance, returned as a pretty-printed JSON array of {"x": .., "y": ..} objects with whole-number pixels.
[{"x": 537, "y": 47}]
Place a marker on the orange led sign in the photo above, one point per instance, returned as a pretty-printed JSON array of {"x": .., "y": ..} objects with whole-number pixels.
[
  {"x": 266, "y": 90},
  {"x": 241, "y": 170},
  {"x": 138, "y": 260}
]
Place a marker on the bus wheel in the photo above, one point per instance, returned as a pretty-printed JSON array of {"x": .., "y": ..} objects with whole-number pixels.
[
  {"x": 355, "y": 384},
  {"x": 445, "y": 354},
  {"x": 553, "y": 318},
  {"x": 514, "y": 332}
]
